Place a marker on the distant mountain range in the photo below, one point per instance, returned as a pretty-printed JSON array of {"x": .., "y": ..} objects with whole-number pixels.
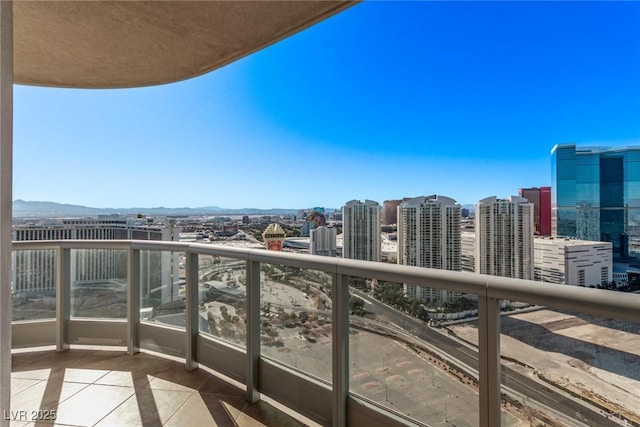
[{"x": 28, "y": 209}]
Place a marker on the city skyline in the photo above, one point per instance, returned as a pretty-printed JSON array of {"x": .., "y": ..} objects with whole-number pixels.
[
  {"x": 383, "y": 101},
  {"x": 121, "y": 318}
]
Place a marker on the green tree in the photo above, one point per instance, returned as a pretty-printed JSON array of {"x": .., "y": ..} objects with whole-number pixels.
[
  {"x": 391, "y": 293},
  {"x": 359, "y": 283},
  {"x": 356, "y": 306}
]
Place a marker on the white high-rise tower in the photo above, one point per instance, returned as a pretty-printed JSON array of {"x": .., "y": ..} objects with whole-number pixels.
[
  {"x": 504, "y": 237},
  {"x": 361, "y": 230},
  {"x": 429, "y": 236}
]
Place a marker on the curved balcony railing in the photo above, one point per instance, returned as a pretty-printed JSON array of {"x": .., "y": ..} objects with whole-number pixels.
[{"x": 242, "y": 312}]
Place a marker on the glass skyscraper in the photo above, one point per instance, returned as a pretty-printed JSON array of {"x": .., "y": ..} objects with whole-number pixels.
[{"x": 596, "y": 196}]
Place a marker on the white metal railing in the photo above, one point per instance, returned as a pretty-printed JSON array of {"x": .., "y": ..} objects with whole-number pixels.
[{"x": 489, "y": 289}]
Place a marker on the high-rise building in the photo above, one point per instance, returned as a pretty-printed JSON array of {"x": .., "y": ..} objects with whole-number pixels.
[
  {"x": 596, "y": 196},
  {"x": 305, "y": 229},
  {"x": 390, "y": 211},
  {"x": 159, "y": 270},
  {"x": 429, "y": 236},
  {"x": 323, "y": 241},
  {"x": 308, "y": 224},
  {"x": 572, "y": 262},
  {"x": 559, "y": 260},
  {"x": 467, "y": 251},
  {"x": 504, "y": 237},
  {"x": 361, "y": 230},
  {"x": 302, "y": 215},
  {"x": 541, "y": 199}
]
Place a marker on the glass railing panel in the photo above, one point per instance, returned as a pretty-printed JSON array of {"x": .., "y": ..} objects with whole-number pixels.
[
  {"x": 559, "y": 366},
  {"x": 465, "y": 331},
  {"x": 162, "y": 287},
  {"x": 99, "y": 283},
  {"x": 403, "y": 359},
  {"x": 222, "y": 298},
  {"x": 33, "y": 284},
  {"x": 295, "y": 317}
]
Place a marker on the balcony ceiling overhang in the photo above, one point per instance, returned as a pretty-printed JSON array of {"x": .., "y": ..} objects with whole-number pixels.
[{"x": 119, "y": 44}]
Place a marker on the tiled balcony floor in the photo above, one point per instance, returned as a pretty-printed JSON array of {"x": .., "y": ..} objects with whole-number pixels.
[{"x": 110, "y": 388}]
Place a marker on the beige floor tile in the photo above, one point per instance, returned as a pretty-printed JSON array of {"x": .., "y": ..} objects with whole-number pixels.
[
  {"x": 13, "y": 423},
  {"x": 115, "y": 389},
  {"x": 36, "y": 374},
  {"x": 208, "y": 410},
  {"x": 86, "y": 376},
  {"x": 215, "y": 385},
  {"x": 42, "y": 424},
  {"x": 233, "y": 405},
  {"x": 97, "y": 360},
  {"x": 263, "y": 414},
  {"x": 176, "y": 377},
  {"x": 247, "y": 421},
  {"x": 20, "y": 384},
  {"x": 45, "y": 359},
  {"x": 17, "y": 418},
  {"x": 138, "y": 362},
  {"x": 147, "y": 407},
  {"x": 45, "y": 395},
  {"x": 92, "y": 404},
  {"x": 125, "y": 379},
  {"x": 160, "y": 384},
  {"x": 55, "y": 373}
]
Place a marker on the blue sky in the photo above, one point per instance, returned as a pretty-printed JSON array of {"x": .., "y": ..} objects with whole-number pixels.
[{"x": 383, "y": 101}]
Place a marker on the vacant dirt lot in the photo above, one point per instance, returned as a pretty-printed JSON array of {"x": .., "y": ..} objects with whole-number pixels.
[{"x": 596, "y": 358}]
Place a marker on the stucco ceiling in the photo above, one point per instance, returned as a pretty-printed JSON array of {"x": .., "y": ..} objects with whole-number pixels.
[{"x": 114, "y": 44}]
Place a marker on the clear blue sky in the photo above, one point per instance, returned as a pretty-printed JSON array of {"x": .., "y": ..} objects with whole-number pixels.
[{"x": 383, "y": 101}]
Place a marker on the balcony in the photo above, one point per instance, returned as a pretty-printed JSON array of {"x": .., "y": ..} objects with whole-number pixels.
[
  {"x": 107, "y": 387},
  {"x": 277, "y": 327}
]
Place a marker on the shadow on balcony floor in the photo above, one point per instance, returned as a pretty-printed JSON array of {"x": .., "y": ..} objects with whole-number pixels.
[{"x": 82, "y": 387}]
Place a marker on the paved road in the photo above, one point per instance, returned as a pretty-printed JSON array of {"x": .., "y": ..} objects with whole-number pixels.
[{"x": 518, "y": 382}]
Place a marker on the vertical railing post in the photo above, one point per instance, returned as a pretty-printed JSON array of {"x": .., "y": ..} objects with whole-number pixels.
[
  {"x": 63, "y": 297},
  {"x": 340, "y": 348},
  {"x": 489, "y": 360},
  {"x": 6, "y": 179},
  {"x": 191, "y": 309},
  {"x": 133, "y": 300},
  {"x": 253, "y": 330}
]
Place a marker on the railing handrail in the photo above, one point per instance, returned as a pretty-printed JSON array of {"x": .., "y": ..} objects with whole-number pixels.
[{"x": 619, "y": 305}]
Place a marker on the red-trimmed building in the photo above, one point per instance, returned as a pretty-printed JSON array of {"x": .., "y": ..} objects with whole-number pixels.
[{"x": 541, "y": 199}]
